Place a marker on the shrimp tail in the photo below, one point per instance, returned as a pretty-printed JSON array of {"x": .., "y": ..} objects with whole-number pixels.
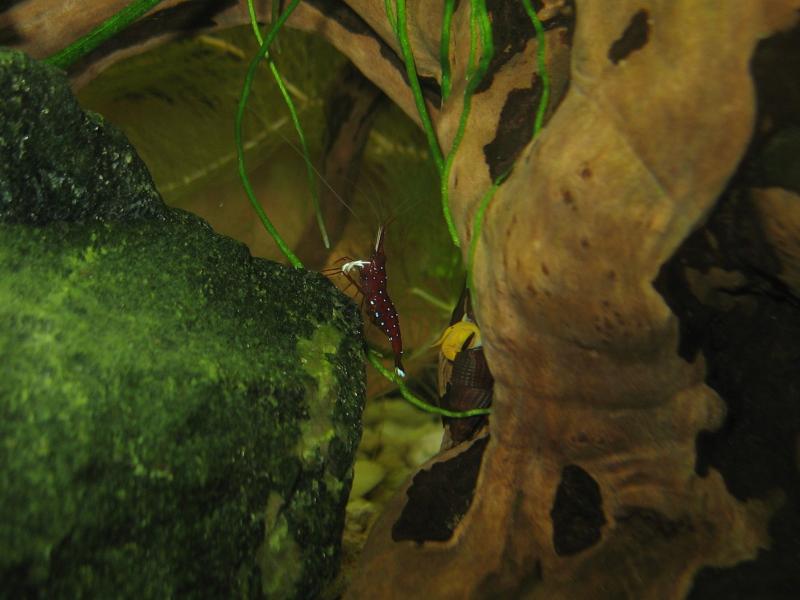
[{"x": 398, "y": 364}]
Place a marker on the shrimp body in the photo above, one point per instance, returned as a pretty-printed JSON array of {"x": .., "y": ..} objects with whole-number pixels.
[{"x": 372, "y": 284}]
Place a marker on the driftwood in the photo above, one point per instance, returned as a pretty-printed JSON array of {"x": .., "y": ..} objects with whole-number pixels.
[{"x": 592, "y": 483}]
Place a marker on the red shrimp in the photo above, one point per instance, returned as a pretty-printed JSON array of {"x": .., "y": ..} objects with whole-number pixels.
[{"x": 372, "y": 285}]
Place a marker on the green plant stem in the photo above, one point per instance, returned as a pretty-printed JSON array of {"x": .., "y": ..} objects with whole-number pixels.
[
  {"x": 431, "y": 299},
  {"x": 110, "y": 27},
  {"x": 310, "y": 174},
  {"x": 275, "y": 9},
  {"x": 401, "y": 29},
  {"x": 483, "y": 205},
  {"x": 479, "y": 20},
  {"x": 375, "y": 359},
  {"x": 444, "y": 47},
  {"x": 478, "y": 8},
  {"x": 540, "y": 62},
  {"x": 240, "y": 109},
  {"x": 473, "y": 45},
  {"x": 390, "y": 15},
  {"x": 413, "y": 79}
]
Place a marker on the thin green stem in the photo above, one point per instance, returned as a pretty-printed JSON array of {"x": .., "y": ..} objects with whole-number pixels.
[
  {"x": 108, "y": 28},
  {"x": 401, "y": 29},
  {"x": 540, "y": 61},
  {"x": 375, "y": 359},
  {"x": 479, "y": 21},
  {"x": 478, "y": 8},
  {"x": 276, "y": 11},
  {"x": 240, "y": 109},
  {"x": 445, "y": 307},
  {"x": 391, "y": 16},
  {"x": 444, "y": 47},
  {"x": 310, "y": 174},
  {"x": 251, "y": 11},
  {"x": 478, "y": 228},
  {"x": 413, "y": 79},
  {"x": 540, "y": 112}
]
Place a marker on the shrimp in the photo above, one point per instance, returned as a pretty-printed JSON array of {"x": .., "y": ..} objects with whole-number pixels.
[{"x": 372, "y": 285}]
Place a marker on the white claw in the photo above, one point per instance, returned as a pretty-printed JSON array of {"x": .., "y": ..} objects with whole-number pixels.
[
  {"x": 400, "y": 371},
  {"x": 349, "y": 266}
]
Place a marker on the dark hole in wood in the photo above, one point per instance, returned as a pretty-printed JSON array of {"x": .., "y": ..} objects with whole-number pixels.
[
  {"x": 633, "y": 38},
  {"x": 439, "y": 497},
  {"x": 577, "y": 512}
]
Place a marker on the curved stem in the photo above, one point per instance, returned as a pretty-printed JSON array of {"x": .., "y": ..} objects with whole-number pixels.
[
  {"x": 248, "y": 83},
  {"x": 479, "y": 19},
  {"x": 540, "y": 62},
  {"x": 390, "y": 14},
  {"x": 374, "y": 359},
  {"x": 276, "y": 11},
  {"x": 401, "y": 30},
  {"x": 444, "y": 47},
  {"x": 413, "y": 79},
  {"x": 478, "y": 228},
  {"x": 312, "y": 182},
  {"x": 540, "y": 111}
]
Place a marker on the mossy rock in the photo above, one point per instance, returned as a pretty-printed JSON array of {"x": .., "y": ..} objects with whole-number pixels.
[{"x": 177, "y": 418}]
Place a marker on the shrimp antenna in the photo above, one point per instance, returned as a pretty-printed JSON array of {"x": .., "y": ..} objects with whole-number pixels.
[
  {"x": 366, "y": 178},
  {"x": 368, "y": 187},
  {"x": 321, "y": 177},
  {"x": 379, "y": 237}
]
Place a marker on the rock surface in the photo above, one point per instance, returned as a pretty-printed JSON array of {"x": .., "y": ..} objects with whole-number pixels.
[
  {"x": 60, "y": 163},
  {"x": 178, "y": 418}
]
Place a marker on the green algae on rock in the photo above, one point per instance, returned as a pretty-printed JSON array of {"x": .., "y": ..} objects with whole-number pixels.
[
  {"x": 176, "y": 417},
  {"x": 68, "y": 165}
]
